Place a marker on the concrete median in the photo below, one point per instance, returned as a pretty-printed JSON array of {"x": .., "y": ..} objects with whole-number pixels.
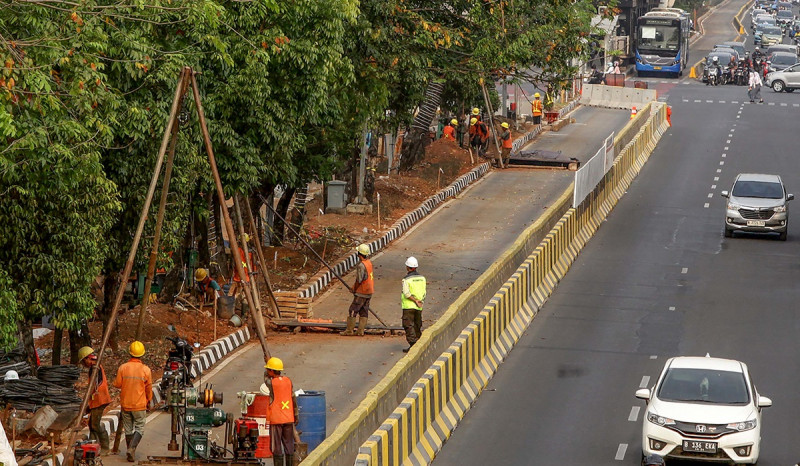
[{"x": 599, "y": 95}]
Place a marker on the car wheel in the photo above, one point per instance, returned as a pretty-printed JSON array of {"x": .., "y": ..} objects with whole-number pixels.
[
  {"x": 778, "y": 86},
  {"x": 728, "y": 233},
  {"x": 782, "y": 236}
]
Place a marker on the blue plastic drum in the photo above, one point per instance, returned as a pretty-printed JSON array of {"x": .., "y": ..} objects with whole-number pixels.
[{"x": 311, "y": 424}]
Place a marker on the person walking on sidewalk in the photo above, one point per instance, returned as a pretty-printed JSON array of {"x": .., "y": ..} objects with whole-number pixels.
[
  {"x": 135, "y": 382},
  {"x": 754, "y": 90},
  {"x": 99, "y": 400},
  {"x": 536, "y": 109},
  {"x": 363, "y": 289},
  {"x": 412, "y": 299},
  {"x": 505, "y": 136},
  {"x": 449, "y": 131},
  {"x": 282, "y": 413}
]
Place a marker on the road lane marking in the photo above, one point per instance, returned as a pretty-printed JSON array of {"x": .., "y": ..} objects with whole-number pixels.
[
  {"x": 653, "y": 356},
  {"x": 716, "y": 178},
  {"x": 621, "y": 451},
  {"x": 771, "y": 103},
  {"x": 719, "y": 170},
  {"x": 732, "y": 130},
  {"x": 705, "y": 206},
  {"x": 730, "y": 135},
  {"x": 709, "y": 101},
  {"x": 724, "y": 155},
  {"x": 783, "y": 104},
  {"x": 728, "y": 141},
  {"x": 722, "y": 101},
  {"x": 722, "y": 162},
  {"x": 734, "y": 101},
  {"x": 645, "y": 381},
  {"x": 634, "y": 415},
  {"x": 697, "y": 100},
  {"x": 738, "y": 116},
  {"x": 685, "y": 270},
  {"x": 713, "y": 186},
  {"x": 672, "y": 308},
  {"x": 710, "y": 195},
  {"x": 726, "y": 147},
  {"x": 795, "y": 105}
]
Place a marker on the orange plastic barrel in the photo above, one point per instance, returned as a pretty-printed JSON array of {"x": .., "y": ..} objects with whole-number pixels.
[
  {"x": 259, "y": 406},
  {"x": 264, "y": 448}
]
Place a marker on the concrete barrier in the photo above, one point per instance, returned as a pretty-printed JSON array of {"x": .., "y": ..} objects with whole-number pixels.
[
  {"x": 599, "y": 95},
  {"x": 429, "y": 411}
]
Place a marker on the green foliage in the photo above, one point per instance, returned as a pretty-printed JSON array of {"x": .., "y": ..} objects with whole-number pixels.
[{"x": 9, "y": 313}]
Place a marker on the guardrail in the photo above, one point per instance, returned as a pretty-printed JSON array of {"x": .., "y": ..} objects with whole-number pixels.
[{"x": 430, "y": 410}]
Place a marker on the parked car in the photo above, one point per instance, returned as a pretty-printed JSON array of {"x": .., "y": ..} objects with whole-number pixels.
[
  {"x": 780, "y": 61},
  {"x": 705, "y": 409},
  {"x": 757, "y": 203},
  {"x": 785, "y": 80}
]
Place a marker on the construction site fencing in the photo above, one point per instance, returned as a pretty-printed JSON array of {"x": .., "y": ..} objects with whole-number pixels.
[{"x": 427, "y": 413}]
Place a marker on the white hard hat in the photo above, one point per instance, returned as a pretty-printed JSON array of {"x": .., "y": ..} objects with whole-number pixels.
[
  {"x": 11, "y": 375},
  {"x": 412, "y": 262}
]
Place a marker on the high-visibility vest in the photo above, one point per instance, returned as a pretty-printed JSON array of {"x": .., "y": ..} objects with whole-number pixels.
[
  {"x": 240, "y": 257},
  {"x": 417, "y": 286},
  {"x": 135, "y": 381},
  {"x": 281, "y": 410},
  {"x": 449, "y": 132},
  {"x": 537, "y": 107},
  {"x": 100, "y": 397},
  {"x": 506, "y": 137},
  {"x": 368, "y": 285}
]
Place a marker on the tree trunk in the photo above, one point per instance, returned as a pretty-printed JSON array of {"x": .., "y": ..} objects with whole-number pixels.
[
  {"x": 282, "y": 209},
  {"x": 77, "y": 340},
  {"x": 110, "y": 285},
  {"x": 25, "y": 336},
  {"x": 58, "y": 335},
  {"x": 417, "y": 137}
]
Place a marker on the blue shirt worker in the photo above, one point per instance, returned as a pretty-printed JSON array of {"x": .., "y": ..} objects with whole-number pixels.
[{"x": 412, "y": 299}]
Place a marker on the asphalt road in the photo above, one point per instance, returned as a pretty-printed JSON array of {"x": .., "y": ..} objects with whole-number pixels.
[{"x": 657, "y": 280}]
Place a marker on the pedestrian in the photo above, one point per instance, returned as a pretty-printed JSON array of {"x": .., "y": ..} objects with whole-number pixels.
[
  {"x": 449, "y": 131},
  {"x": 412, "y": 299},
  {"x": 536, "y": 109},
  {"x": 363, "y": 289},
  {"x": 135, "y": 382},
  {"x": 99, "y": 400},
  {"x": 754, "y": 90},
  {"x": 237, "y": 280},
  {"x": 505, "y": 136},
  {"x": 282, "y": 413},
  {"x": 209, "y": 288}
]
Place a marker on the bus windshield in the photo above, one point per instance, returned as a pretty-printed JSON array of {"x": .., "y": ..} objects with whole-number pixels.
[{"x": 659, "y": 37}]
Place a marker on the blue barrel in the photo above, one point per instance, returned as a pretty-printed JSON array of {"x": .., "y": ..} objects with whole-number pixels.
[{"x": 311, "y": 424}]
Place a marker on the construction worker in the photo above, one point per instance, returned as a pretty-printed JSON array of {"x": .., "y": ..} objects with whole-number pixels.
[
  {"x": 99, "y": 400},
  {"x": 505, "y": 136},
  {"x": 479, "y": 134},
  {"x": 476, "y": 113},
  {"x": 536, "y": 109},
  {"x": 362, "y": 293},
  {"x": 449, "y": 131},
  {"x": 209, "y": 288},
  {"x": 135, "y": 382},
  {"x": 282, "y": 413},
  {"x": 237, "y": 280},
  {"x": 412, "y": 299}
]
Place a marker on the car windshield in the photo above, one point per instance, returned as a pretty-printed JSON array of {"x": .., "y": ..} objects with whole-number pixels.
[
  {"x": 723, "y": 57},
  {"x": 771, "y": 30},
  {"x": 785, "y": 14},
  {"x": 783, "y": 59},
  {"x": 759, "y": 189},
  {"x": 762, "y": 20},
  {"x": 704, "y": 386}
]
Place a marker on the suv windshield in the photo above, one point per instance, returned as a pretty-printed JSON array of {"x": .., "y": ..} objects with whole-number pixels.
[
  {"x": 783, "y": 59},
  {"x": 704, "y": 385},
  {"x": 759, "y": 189}
]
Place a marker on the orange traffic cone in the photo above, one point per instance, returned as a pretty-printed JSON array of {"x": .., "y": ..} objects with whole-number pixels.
[
  {"x": 669, "y": 115},
  {"x": 633, "y": 113}
]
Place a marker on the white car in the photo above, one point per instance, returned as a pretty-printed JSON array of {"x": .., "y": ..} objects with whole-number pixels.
[{"x": 703, "y": 408}]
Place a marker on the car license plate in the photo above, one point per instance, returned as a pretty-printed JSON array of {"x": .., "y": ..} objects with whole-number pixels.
[
  {"x": 656, "y": 67},
  {"x": 756, "y": 223},
  {"x": 699, "y": 447}
]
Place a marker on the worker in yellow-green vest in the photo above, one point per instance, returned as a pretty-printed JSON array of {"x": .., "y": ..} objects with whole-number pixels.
[{"x": 412, "y": 299}]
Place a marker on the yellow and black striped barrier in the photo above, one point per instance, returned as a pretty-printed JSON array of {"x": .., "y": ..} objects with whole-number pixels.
[{"x": 426, "y": 416}]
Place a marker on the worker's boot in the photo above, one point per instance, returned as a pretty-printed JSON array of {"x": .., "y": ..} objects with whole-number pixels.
[
  {"x": 128, "y": 439},
  {"x": 362, "y": 325},
  {"x": 137, "y": 437},
  {"x": 351, "y": 324},
  {"x": 291, "y": 460},
  {"x": 277, "y": 460},
  {"x": 103, "y": 440}
]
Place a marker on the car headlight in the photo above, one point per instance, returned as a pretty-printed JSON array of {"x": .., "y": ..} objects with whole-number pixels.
[
  {"x": 732, "y": 206},
  {"x": 780, "y": 208},
  {"x": 743, "y": 426},
  {"x": 659, "y": 420}
]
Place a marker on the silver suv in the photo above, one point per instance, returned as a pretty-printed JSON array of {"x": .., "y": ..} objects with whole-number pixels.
[
  {"x": 757, "y": 203},
  {"x": 784, "y": 80}
]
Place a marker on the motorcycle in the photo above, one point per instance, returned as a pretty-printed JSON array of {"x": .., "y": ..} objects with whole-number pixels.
[
  {"x": 179, "y": 364},
  {"x": 740, "y": 75}
]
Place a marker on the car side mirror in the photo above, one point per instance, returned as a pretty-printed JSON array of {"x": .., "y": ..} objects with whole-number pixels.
[
  {"x": 725, "y": 194},
  {"x": 643, "y": 394},
  {"x": 764, "y": 402},
  {"x": 789, "y": 197}
]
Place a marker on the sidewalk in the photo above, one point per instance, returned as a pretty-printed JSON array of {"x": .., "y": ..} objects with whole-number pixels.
[{"x": 454, "y": 246}]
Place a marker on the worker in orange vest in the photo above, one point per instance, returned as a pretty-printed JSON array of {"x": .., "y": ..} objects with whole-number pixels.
[
  {"x": 237, "y": 280},
  {"x": 505, "y": 136},
  {"x": 536, "y": 109},
  {"x": 449, "y": 131},
  {"x": 99, "y": 400},
  {"x": 135, "y": 382},
  {"x": 282, "y": 413},
  {"x": 363, "y": 289}
]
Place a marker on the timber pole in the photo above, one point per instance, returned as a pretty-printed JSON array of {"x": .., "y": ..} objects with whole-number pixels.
[
  {"x": 261, "y": 258},
  {"x": 251, "y": 279}
]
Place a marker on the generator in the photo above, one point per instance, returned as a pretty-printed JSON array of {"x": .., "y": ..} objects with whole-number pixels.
[{"x": 244, "y": 438}]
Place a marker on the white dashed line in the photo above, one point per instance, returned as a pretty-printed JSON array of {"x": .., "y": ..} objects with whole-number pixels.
[
  {"x": 724, "y": 155},
  {"x": 709, "y": 101},
  {"x": 730, "y": 135},
  {"x": 634, "y": 415},
  {"x": 621, "y": 451},
  {"x": 645, "y": 381},
  {"x": 685, "y": 270},
  {"x": 722, "y": 162},
  {"x": 710, "y": 195},
  {"x": 719, "y": 170},
  {"x": 795, "y": 105},
  {"x": 697, "y": 101},
  {"x": 783, "y": 104},
  {"x": 771, "y": 104},
  {"x": 705, "y": 206},
  {"x": 727, "y": 147},
  {"x": 728, "y": 141},
  {"x": 738, "y": 116},
  {"x": 734, "y": 101},
  {"x": 732, "y": 130},
  {"x": 713, "y": 186},
  {"x": 653, "y": 356},
  {"x": 716, "y": 178}
]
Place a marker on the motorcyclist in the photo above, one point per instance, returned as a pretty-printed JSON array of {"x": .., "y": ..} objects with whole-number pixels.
[
  {"x": 714, "y": 70},
  {"x": 596, "y": 77},
  {"x": 747, "y": 62},
  {"x": 731, "y": 68},
  {"x": 758, "y": 55}
]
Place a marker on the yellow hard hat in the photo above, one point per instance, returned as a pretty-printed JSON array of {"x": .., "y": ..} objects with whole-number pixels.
[
  {"x": 537, "y": 95},
  {"x": 136, "y": 349},
  {"x": 200, "y": 274},
  {"x": 454, "y": 122},
  {"x": 504, "y": 124},
  {"x": 83, "y": 352},
  {"x": 275, "y": 364},
  {"x": 476, "y": 111},
  {"x": 473, "y": 121},
  {"x": 363, "y": 249},
  {"x": 244, "y": 237}
]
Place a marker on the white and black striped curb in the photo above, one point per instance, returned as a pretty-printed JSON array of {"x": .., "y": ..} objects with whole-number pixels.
[
  {"x": 325, "y": 277},
  {"x": 201, "y": 362},
  {"x": 569, "y": 107}
]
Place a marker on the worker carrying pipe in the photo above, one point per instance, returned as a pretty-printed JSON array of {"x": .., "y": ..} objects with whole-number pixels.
[
  {"x": 363, "y": 288},
  {"x": 99, "y": 400}
]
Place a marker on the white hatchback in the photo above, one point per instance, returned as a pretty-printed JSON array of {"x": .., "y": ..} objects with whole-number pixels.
[{"x": 703, "y": 408}]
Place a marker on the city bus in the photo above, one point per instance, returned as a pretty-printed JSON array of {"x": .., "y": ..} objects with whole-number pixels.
[{"x": 662, "y": 43}]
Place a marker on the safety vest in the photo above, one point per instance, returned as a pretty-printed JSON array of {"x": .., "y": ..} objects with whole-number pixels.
[
  {"x": 281, "y": 410},
  {"x": 537, "y": 108},
  {"x": 417, "y": 286},
  {"x": 506, "y": 137},
  {"x": 240, "y": 257},
  {"x": 368, "y": 285},
  {"x": 449, "y": 132},
  {"x": 100, "y": 397}
]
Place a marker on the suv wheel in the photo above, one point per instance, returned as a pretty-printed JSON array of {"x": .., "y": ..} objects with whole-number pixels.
[
  {"x": 778, "y": 86},
  {"x": 782, "y": 236},
  {"x": 728, "y": 233}
]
